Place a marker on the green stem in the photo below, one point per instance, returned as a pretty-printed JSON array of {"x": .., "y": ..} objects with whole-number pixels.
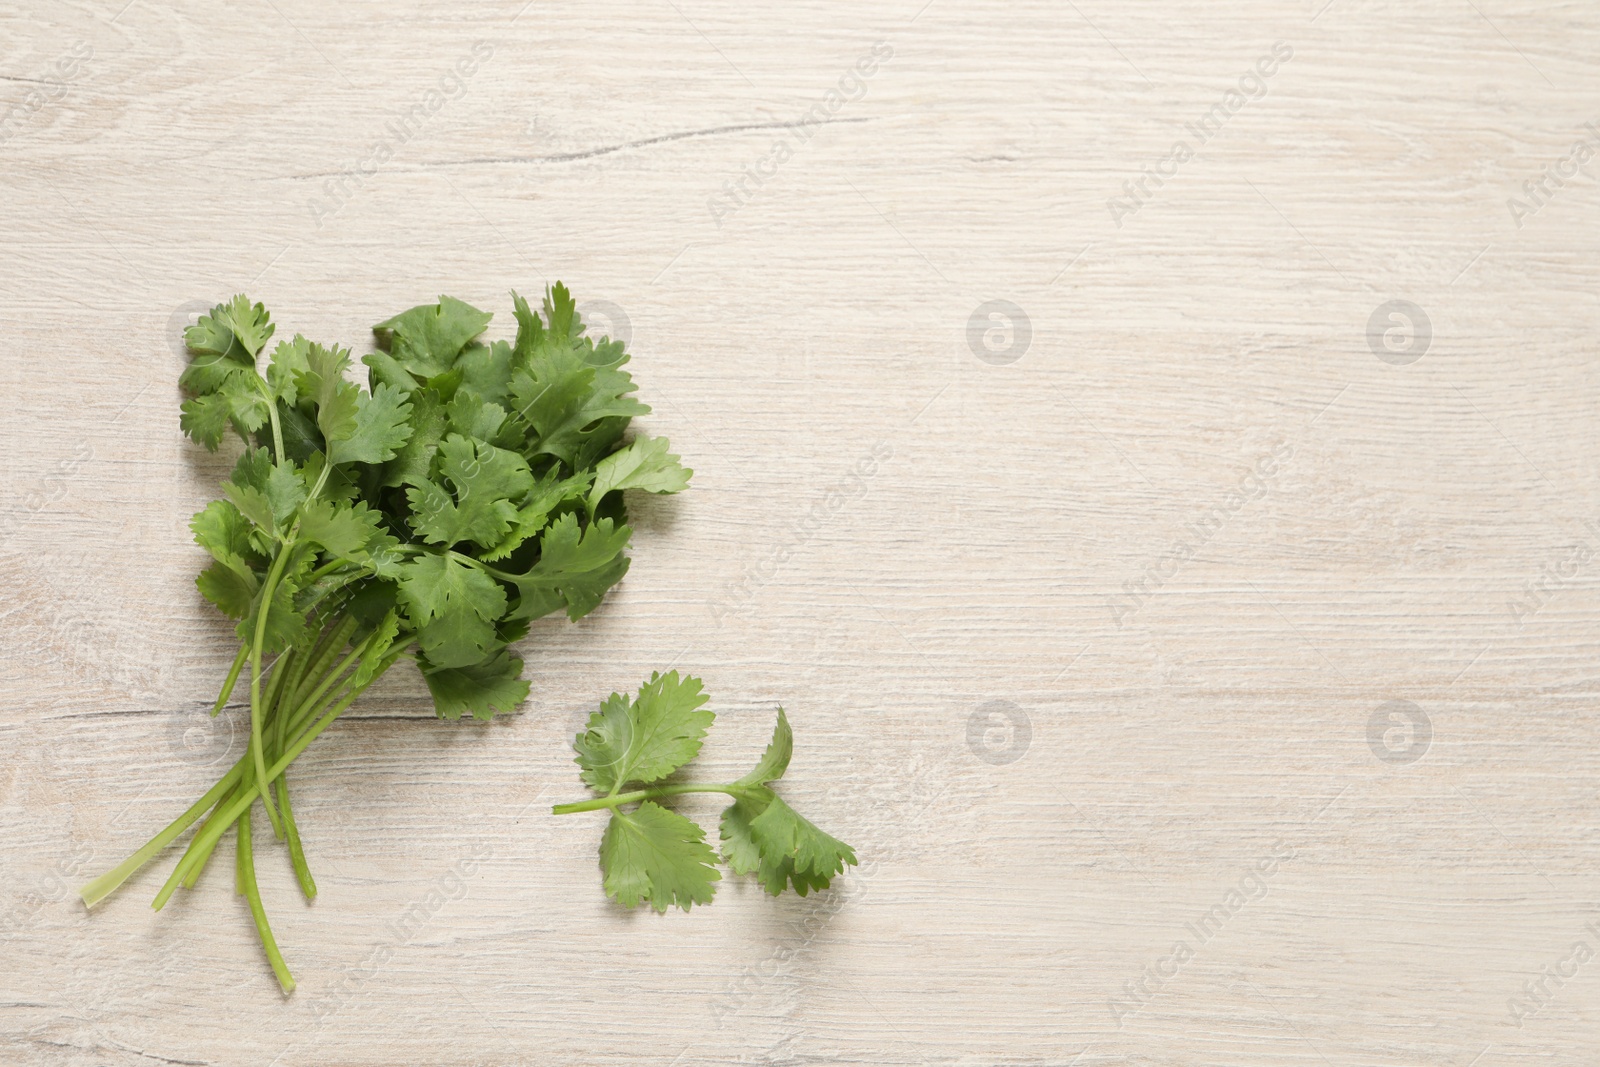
[
  {"x": 317, "y": 670},
  {"x": 232, "y": 679},
  {"x": 297, "y": 855},
  {"x": 291, "y": 829},
  {"x": 732, "y": 789},
  {"x": 327, "y": 569},
  {"x": 291, "y": 686},
  {"x": 322, "y": 479},
  {"x": 203, "y": 844},
  {"x": 216, "y": 827},
  {"x": 102, "y": 887},
  {"x": 327, "y": 682},
  {"x": 201, "y": 858},
  {"x": 252, "y": 892},
  {"x": 484, "y": 567},
  {"x": 256, "y": 710},
  {"x": 272, "y": 412},
  {"x": 281, "y": 667},
  {"x": 223, "y": 800}
]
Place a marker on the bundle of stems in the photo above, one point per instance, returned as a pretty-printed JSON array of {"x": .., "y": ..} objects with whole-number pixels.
[{"x": 292, "y": 701}]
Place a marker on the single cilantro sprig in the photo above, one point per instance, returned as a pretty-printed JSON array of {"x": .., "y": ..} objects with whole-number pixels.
[
  {"x": 472, "y": 488},
  {"x": 652, "y": 854}
]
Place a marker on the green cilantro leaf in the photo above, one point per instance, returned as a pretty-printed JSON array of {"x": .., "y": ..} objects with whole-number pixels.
[
  {"x": 657, "y": 856},
  {"x": 565, "y": 400},
  {"x": 473, "y": 416},
  {"x": 286, "y": 624},
  {"x": 351, "y": 532},
  {"x": 530, "y": 331},
  {"x": 548, "y": 494},
  {"x": 485, "y": 689},
  {"x": 644, "y": 739},
  {"x": 574, "y": 568},
  {"x": 231, "y": 591},
  {"x": 486, "y": 370},
  {"x": 561, "y": 312},
  {"x": 486, "y": 480},
  {"x": 222, "y": 530},
  {"x": 583, "y": 591},
  {"x": 223, "y": 345},
  {"x": 379, "y": 642},
  {"x": 224, "y": 389},
  {"x": 413, "y": 460},
  {"x": 290, "y": 359},
  {"x": 427, "y": 339},
  {"x": 237, "y": 403},
  {"x": 249, "y": 323},
  {"x": 645, "y": 464},
  {"x": 453, "y": 608},
  {"x": 775, "y": 760},
  {"x": 324, "y": 384},
  {"x": 378, "y": 429},
  {"x": 764, "y": 836},
  {"x": 264, "y": 492}
]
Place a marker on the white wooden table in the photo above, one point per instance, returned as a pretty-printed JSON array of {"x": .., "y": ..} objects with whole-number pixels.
[{"x": 1091, "y": 616}]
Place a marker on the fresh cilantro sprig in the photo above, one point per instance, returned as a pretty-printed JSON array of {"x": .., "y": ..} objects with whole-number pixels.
[
  {"x": 652, "y": 854},
  {"x": 472, "y": 488}
]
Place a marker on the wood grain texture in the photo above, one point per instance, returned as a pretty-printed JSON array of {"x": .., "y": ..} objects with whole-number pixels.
[{"x": 1178, "y": 739}]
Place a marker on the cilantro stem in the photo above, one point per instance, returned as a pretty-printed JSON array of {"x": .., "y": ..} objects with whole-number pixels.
[
  {"x": 232, "y": 679},
  {"x": 280, "y": 670},
  {"x": 280, "y": 717},
  {"x": 268, "y": 588},
  {"x": 297, "y": 855},
  {"x": 327, "y": 649},
  {"x": 327, "y": 569},
  {"x": 233, "y": 792},
  {"x": 202, "y": 857},
  {"x": 732, "y": 789},
  {"x": 252, "y": 893},
  {"x": 322, "y": 480},
  {"x": 217, "y": 826},
  {"x": 103, "y": 886},
  {"x": 326, "y": 683},
  {"x": 272, "y": 412},
  {"x": 482, "y": 566}
]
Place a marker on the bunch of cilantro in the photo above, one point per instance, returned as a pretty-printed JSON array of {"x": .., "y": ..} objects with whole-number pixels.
[{"x": 471, "y": 489}]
